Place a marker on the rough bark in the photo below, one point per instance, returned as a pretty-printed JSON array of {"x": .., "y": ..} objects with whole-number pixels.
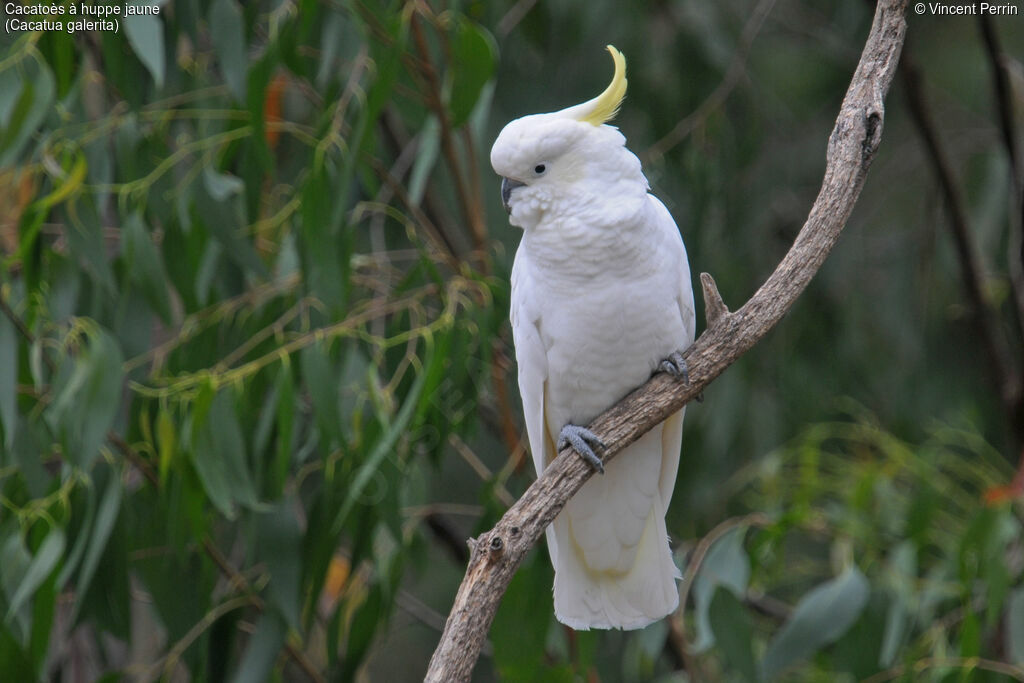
[{"x": 496, "y": 554}]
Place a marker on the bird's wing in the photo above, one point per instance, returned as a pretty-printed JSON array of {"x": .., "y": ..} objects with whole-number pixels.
[
  {"x": 531, "y": 357},
  {"x": 532, "y": 360},
  {"x": 672, "y": 432}
]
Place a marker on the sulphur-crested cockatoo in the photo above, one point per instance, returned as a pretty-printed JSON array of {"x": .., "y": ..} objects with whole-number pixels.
[{"x": 601, "y": 299}]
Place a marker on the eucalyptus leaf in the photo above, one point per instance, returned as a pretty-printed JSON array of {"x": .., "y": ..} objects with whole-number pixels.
[
  {"x": 39, "y": 568},
  {"x": 473, "y": 61},
  {"x": 145, "y": 265},
  {"x": 8, "y": 382},
  {"x": 106, "y": 517},
  {"x": 27, "y": 98},
  {"x": 218, "y": 454},
  {"x": 1015, "y": 626},
  {"x": 88, "y": 397},
  {"x": 733, "y": 633},
  {"x": 727, "y": 565},
  {"x": 226, "y": 24},
  {"x": 146, "y": 36},
  {"x": 262, "y": 649},
  {"x": 822, "y": 616}
]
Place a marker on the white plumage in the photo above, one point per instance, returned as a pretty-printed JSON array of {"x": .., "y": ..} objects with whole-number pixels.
[{"x": 601, "y": 295}]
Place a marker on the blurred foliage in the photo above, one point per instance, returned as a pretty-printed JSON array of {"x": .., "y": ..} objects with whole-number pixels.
[{"x": 256, "y": 383}]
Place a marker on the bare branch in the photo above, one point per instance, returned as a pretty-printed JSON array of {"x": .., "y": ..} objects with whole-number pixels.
[
  {"x": 999, "y": 62},
  {"x": 1004, "y": 377},
  {"x": 714, "y": 308},
  {"x": 497, "y": 553},
  {"x": 735, "y": 71}
]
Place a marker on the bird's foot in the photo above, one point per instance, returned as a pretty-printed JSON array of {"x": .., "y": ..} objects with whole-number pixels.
[
  {"x": 583, "y": 442},
  {"x": 675, "y": 365}
]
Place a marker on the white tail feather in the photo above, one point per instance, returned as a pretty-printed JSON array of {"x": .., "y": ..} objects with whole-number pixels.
[{"x": 585, "y": 599}]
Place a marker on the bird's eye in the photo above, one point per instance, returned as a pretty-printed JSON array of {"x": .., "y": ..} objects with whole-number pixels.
[{"x": 539, "y": 168}]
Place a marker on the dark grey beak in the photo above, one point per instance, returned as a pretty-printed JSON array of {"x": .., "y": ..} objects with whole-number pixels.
[{"x": 507, "y": 185}]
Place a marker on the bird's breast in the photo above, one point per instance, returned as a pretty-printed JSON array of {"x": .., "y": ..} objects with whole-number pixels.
[{"x": 603, "y": 343}]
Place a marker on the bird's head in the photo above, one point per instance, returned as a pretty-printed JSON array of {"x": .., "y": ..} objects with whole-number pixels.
[{"x": 544, "y": 157}]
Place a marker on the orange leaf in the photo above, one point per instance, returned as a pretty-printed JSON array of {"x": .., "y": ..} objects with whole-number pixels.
[{"x": 272, "y": 107}]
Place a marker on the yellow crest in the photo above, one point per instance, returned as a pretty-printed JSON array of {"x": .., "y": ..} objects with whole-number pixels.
[{"x": 605, "y": 106}]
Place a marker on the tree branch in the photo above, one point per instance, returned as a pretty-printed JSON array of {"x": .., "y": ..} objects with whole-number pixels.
[
  {"x": 496, "y": 554},
  {"x": 1002, "y": 90},
  {"x": 986, "y": 316}
]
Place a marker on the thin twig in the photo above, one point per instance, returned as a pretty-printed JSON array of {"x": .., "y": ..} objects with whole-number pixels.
[
  {"x": 478, "y": 466},
  {"x": 439, "y": 237},
  {"x": 701, "y": 551},
  {"x": 1004, "y": 377},
  {"x": 964, "y": 663},
  {"x": 432, "y": 207},
  {"x": 718, "y": 96},
  {"x": 1004, "y": 107},
  {"x": 473, "y": 219},
  {"x": 516, "y": 14},
  {"x": 496, "y": 554}
]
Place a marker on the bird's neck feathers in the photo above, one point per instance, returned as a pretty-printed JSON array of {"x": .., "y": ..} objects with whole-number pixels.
[{"x": 590, "y": 229}]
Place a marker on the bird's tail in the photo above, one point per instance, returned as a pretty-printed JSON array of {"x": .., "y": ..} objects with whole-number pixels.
[{"x": 586, "y": 599}]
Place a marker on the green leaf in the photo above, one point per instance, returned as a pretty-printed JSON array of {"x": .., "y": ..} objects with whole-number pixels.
[
  {"x": 8, "y": 381},
  {"x": 261, "y": 652},
  {"x": 426, "y": 158},
  {"x": 43, "y": 613},
  {"x": 85, "y": 235},
  {"x": 642, "y": 651},
  {"x": 14, "y": 658},
  {"x": 106, "y": 517},
  {"x": 221, "y": 186},
  {"x": 29, "y": 90},
  {"x": 226, "y": 25},
  {"x": 285, "y": 421},
  {"x": 820, "y": 618},
  {"x": 145, "y": 267},
  {"x": 42, "y": 564},
  {"x": 365, "y": 623},
  {"x": 903, "y": 567},
  {"x": 146, "y": 36},
  {"x": 970, "y": 634},
  {"x": 733, "y": 635},
  {"x": 223, "y": 219},
  {"x": 166, "y": 439},
  {"x": 80, "y": 537},
  {"x": 279, "y": 543},
  {"x": 1015, "y": 626},
  {"x": 474, "y": 55},
  {"x": 88, "y": 398},
  {"x": 14, "y": 562},
  {"x": 726, "y": 565},
  {"x": 522, "y": 621},
  {"x": 10, "y": 92},
  {"x": 321, "y": 380},
  {"x": 382, "y": 448},
  {"x": 218, "y": 453}
]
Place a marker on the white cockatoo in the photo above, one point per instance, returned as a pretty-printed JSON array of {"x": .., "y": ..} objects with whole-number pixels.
[{"x": 601, "y": 299}]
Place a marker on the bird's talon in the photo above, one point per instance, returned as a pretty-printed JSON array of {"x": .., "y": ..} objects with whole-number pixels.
[
  {"x": 675, "y": 365},
  {"x": 583, "y": 442}
]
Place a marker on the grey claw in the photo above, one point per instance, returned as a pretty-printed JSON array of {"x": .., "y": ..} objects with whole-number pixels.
[
  {"x": 583, "y": 441},
  {"x": 675, "y": 365}
]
